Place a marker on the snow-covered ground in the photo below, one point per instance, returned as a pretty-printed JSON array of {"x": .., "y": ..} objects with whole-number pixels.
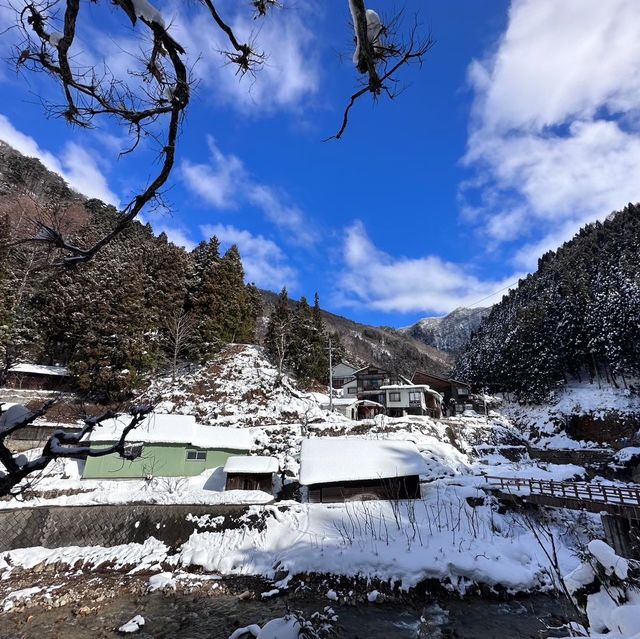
[{"x": 240, "y": 387}]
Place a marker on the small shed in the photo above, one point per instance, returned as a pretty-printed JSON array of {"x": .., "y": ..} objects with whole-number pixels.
[
  {"x": 39, "y": 377},
  {"x": 250, "y": 472},
  {"x": 336, "y": 469},
  {"x": 164, "y": 446}
]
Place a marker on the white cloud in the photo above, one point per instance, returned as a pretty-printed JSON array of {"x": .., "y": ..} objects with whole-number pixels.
[
  {"x": 218, "y": 182},
  {"x": 290, "y": 75},
  {"x": 554, "y": 137},
  {"x": 264, "y": 262},
  {"x": 75, "y": 164},
  {"x": 377, "y": 280},
  {"x": 225, "y": 184}
]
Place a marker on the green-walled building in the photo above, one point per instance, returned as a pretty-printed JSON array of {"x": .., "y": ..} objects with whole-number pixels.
[{"x": 165, "y": 446}]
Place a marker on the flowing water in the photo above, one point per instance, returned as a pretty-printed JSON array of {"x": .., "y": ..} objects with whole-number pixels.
[{"x": 193, "y": 616}]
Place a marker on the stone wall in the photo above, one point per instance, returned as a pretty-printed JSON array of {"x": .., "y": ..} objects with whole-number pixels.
[{"x": 54, "y": 526}]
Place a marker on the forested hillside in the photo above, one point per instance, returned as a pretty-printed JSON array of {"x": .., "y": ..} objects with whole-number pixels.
[
  {"x": 577, "y": 316},
  {"x": 144, "y": 305}
]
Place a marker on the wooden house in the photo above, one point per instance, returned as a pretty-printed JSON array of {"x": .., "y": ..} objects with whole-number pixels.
[
  {"x": 336, "y": 469},
  {"x": 39, "y": 377},
  {"x": 450, "y": 389},
  {"x": 250, "y": 472},
  {"x": 370, "y": 380}
]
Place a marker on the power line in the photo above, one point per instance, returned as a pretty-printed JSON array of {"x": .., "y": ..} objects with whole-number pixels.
[{"x": 504, "y": 288}]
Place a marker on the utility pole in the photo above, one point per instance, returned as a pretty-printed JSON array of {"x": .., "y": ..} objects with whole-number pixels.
[{"x": 330, "y": 349}]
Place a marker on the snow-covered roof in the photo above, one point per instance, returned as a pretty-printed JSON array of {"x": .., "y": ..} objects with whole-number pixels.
[
  {"x": 161, "y": 428},
  {"x": 329, "y": 459},
  {"x": 251, "y": 464},
  {"x": 40, "y": 369}
]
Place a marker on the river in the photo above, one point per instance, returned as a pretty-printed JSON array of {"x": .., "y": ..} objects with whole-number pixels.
[{"x": 194, "y": 616}]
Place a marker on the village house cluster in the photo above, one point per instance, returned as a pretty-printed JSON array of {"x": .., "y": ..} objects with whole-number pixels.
[
  {"x": 332, "y": 469},
  {"x": 370, "y": 391}
]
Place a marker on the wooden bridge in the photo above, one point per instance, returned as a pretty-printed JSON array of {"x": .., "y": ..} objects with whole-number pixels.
[{"x": 598, "y": 498}]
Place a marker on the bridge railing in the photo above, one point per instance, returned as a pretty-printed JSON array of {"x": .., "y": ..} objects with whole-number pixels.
[{"x": 570, "y": 490}]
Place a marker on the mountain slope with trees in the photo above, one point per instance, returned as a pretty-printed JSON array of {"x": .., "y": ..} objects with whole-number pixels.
[
  {"x": 144, "y": 305},
  {"x": 577, "y": 316},
  {"x": 450, "y": 333}
]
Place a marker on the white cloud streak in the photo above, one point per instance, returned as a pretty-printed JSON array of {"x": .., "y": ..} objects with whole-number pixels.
[
  {"x": 376, "y": 280},
  {"x": 290, "y": 75},
  {"x": 225, "y": 183},
  {"x": 264, "y": 262},
  {"x": 554, "y": 138}
]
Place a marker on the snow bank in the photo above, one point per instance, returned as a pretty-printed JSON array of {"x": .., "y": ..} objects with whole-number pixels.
[{"x": 240, "y": 387}]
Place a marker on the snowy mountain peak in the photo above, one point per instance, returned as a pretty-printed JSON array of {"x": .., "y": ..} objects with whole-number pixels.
[{"x": 449, "y": 333}]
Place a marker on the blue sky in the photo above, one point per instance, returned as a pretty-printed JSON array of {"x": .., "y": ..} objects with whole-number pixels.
[{"x": 521, "y": 126}]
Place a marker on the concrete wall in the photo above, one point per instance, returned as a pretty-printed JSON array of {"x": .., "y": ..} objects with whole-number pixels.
[
  {"x": 159, "y": 460},
  {"x": 54, "y": 526}
]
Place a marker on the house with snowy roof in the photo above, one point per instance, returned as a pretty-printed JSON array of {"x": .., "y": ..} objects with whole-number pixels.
[
  {"x": 337, "y": 469},
  {"x": 164, "y": 446},
  {"x": 28, "y": 376},
  {"x": 250, "y": 472},
  {"x": 412, "y": 399}
]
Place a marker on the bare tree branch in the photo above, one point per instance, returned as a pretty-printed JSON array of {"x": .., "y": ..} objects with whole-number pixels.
[
  {"x": 151, "y": 102},
  {"x": 61, "y": 444}
]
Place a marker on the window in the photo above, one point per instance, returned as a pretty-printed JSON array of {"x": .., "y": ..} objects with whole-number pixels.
[
  {"x": 351, "y": 390},
  {"x": 463, "y": 390},
  {"x": 372, "y": 384},
  {"x": 132, "y": 451},
  {"x": 196, "y": 455},
  {"x": 394, "y": 396},
  {"x": 415, "y": 396}
]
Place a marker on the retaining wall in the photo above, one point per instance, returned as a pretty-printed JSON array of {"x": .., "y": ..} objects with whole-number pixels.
[{"x": 54, "y": 526}]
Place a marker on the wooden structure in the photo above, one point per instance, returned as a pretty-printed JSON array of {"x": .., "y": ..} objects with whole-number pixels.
[
  {"x": 370, "y": 380},
  {"x": 39, "y": 377},
  {"x": 368, "y": 489},
  {"x": 450, "y": 389},
  {"x": 246, "y": 472},
  {"x": 336, "y": 469},
  {"x": 619, "y": 506}
]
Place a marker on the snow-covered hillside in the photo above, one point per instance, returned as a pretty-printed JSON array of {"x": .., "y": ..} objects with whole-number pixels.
[
  {"x": 240, "y": 387},
  {"x": 546, "y": 424}
]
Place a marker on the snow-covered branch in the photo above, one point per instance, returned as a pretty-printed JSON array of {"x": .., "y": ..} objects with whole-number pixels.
[{"x": 60, "y": 444}]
